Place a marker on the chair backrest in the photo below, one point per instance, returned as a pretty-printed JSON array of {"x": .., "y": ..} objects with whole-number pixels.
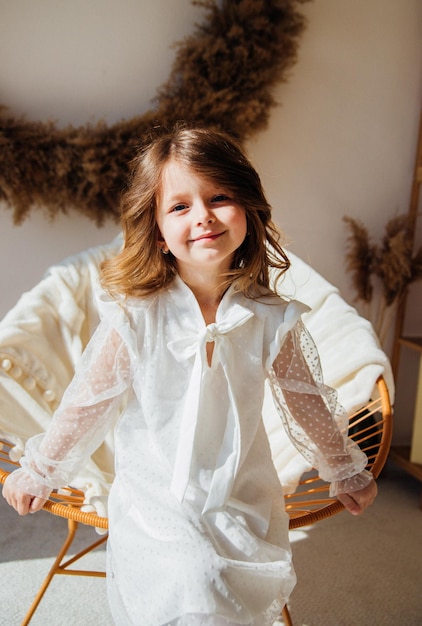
[{"x": 43, "y": 336}]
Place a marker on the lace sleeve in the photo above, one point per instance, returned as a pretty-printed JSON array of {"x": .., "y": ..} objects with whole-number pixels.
[
  {"x": 311, "y": 415},
  {"x": 83, "y": 418}
]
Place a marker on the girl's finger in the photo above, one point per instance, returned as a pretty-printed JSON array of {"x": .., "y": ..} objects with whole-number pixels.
[
  {"x": 351, "y": 505},
  {"x": 36, "y": 505},
  {"x": 22, "y": 504}
]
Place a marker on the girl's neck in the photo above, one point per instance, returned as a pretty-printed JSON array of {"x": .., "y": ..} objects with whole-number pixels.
[
  {"x": 208, "y": 295},
  {"x": 208, "y": 302},
  {"x": 208, "y": 309}
]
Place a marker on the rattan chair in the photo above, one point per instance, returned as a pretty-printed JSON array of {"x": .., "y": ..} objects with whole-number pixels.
[
  {"x": 370, "y": 427},
  {"x": 43, "y": 336}
]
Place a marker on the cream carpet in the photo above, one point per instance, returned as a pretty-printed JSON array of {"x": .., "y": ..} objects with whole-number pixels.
[{"x": 364, "y": 571}]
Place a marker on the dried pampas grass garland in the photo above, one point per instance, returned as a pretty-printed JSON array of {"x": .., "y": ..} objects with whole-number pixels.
[
  {"x": 223, "y": 75},
  {"x": 381, "y": 273}
]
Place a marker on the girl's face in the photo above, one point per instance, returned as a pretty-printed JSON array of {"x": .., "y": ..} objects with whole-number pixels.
[{"x": 199, "y": 222}]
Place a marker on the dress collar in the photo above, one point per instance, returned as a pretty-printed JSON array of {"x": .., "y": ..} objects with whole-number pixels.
[{"x": 188, "y": 307}]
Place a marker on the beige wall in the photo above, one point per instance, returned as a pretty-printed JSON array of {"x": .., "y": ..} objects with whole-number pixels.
[{"x": 342, "y": 142}]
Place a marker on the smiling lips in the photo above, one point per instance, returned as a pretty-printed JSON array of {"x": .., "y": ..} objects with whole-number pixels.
[{"x": 208, "y": 236}]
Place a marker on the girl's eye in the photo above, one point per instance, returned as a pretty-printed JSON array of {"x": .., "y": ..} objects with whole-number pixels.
[
  {"x": 179, "y": 207},
  {"x": 221, "y": 197}
]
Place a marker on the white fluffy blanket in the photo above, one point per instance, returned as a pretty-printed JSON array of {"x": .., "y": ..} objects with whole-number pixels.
[{"x": 43, "y": 336}]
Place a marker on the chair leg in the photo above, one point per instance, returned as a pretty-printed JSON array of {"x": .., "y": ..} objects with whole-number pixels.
[
  {"x": 72, "y": 528},
  {"x": 286, "y": 616}
]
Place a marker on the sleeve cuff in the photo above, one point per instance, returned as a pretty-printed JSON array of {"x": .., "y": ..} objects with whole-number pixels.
[{"x": 354, "y": 483}]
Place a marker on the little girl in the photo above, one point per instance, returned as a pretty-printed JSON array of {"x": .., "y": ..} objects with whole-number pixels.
[{"x": 191, "y": 329}]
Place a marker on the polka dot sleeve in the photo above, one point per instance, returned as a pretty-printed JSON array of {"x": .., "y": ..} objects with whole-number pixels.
[
  {"x": 311, "y": 415},
  {"x": 85, "y": 415}
]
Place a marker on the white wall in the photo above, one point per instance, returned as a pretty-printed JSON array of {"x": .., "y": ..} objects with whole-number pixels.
[{"x": 342, "y": 142}]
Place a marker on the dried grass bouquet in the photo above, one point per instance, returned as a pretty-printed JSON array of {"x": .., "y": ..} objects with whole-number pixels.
[{"x": 381, "y": 273}]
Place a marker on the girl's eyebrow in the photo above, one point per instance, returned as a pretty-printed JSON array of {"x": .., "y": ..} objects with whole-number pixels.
[
  {"x": 175, "y": 197},
  {"x": 174, "y": 201}
]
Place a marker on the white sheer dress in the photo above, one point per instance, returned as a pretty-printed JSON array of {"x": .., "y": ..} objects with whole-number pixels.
[{"x": 198, "y": 531}]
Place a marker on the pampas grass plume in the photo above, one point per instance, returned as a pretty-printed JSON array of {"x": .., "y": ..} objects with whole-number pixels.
[
  {"x": 359, "y": 258},
  {"x": 392, "y": 264}
]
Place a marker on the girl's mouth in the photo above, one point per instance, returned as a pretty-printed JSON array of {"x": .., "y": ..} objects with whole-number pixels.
[{"x": 208, "y": 237}]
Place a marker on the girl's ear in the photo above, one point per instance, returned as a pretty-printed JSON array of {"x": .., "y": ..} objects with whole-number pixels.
[{"x": 161, "y": 243}]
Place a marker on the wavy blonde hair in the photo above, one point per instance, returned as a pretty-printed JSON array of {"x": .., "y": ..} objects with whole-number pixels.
[{"x": 141, "y": 268}]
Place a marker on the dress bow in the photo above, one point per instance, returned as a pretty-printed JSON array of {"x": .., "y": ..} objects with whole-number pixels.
[{"x": 228, "y": 458}]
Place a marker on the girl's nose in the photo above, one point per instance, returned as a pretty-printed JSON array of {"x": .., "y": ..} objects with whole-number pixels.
[{"x": 204, "y": 214}]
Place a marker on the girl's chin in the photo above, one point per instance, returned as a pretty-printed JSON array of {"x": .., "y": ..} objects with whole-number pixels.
[{"x": 205, "y": 262}]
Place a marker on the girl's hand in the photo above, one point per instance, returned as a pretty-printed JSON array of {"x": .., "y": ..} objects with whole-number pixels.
[
  {"x": 18, "y": 491},
  {"x": 357, "y": 501}
]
